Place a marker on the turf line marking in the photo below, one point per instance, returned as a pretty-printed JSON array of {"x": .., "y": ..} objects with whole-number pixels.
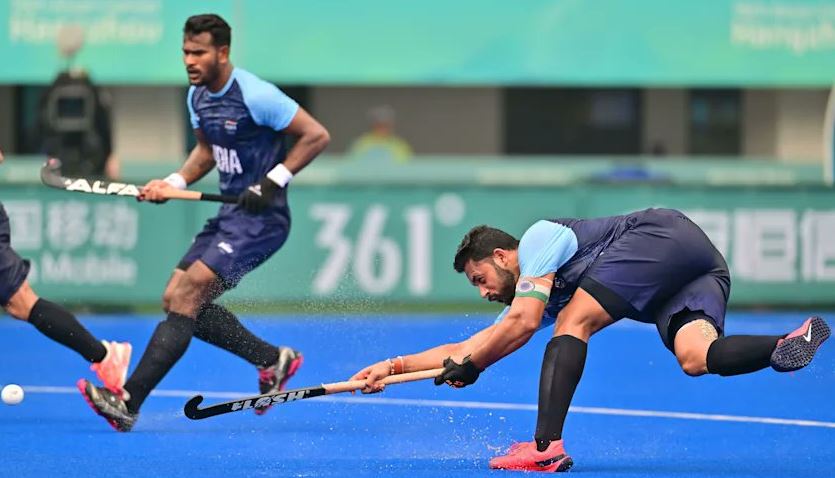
[{"x": 624, "y": 412}]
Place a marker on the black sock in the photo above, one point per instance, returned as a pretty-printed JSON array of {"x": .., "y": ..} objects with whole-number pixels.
[
  {"x": 60, "y": 325},
  {"x": 168, "y": 343},
  {"x": 562, "y": 367},
  {"x": 219, "y": 327},
  {"x": 740, "y": 354}
]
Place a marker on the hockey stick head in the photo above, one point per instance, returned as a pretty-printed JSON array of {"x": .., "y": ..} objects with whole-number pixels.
[
  {"x": 250, "y": 403},
  {"x": 51, "y": 174},
  {"x": 191, "y": 410}
]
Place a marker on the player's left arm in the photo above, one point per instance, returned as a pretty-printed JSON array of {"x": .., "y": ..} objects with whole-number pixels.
[
  {"x": 312, "y": 139},
  {"x": 272, "y": 108},
  {"x": 520, "y": 323},
  {"x": 543, "y": 249},
  {"x": 515, "y": 329}
]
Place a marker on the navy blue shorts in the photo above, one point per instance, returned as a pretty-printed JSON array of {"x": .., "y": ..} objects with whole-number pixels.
[
  {"x": 13, "y": 269},
  {"x": 662, "y": 264},
  {"x": 234, "y": 244}
]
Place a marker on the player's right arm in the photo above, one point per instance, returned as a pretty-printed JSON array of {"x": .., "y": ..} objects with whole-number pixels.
[
  {"x": 426, "y": 360},
  {"x": 199, "y": 162}
]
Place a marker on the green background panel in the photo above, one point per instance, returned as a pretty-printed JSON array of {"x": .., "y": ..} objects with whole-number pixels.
[
  {"x": 391, "y": 243},
  {"x": 561, "y": 42}
]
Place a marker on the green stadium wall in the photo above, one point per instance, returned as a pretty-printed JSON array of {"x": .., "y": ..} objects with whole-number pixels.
[{"x": 395, "y": 243}]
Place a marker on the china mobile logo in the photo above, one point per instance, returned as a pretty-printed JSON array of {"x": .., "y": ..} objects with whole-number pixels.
[
  {"x": 272, "y": 399},
  {"x": 102, "y": 187}
]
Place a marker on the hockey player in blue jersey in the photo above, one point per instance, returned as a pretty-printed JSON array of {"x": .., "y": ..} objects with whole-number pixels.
[
  {"x": 581, "y": 275},
  {"x": 241, "y": 123}
]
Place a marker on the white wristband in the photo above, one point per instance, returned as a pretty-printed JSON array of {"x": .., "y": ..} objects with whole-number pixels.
[
  {"x": 280, "y": 175},
  {"x": 176, "y": 180}
]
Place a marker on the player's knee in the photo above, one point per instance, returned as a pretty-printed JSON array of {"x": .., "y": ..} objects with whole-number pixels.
[
  {"x": 692, "y": 362},
  {"x": 22, "y": 302},
  {"x": 186, "y": 288},
  {"x": 691, "y": 343},
  {"x": 182, "y": 297},
  {"x": 578, "y": 324},
  {"x": 189, "y": 295},
  {"x": 694, "y": 369},
  {"x": 15, "y": 311}
]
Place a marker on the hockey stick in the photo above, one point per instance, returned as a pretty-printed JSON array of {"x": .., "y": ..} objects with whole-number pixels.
[
  {"x": 287, "y": 396},
  {"x": 51, "y": 176}
]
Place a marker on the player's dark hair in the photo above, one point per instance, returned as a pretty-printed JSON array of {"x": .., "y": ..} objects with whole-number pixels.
[
  {"x": 480, "y": 242},
  {"x": 209, "y": 22}
]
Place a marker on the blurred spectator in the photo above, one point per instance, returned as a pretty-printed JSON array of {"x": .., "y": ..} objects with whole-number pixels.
[
  {"x": 381, "y": 143},
  {"x": 658, "y": 149},
  {"x": 74, "y": 118}
]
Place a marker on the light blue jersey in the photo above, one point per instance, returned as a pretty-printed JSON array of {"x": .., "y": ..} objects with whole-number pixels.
[
  {"x": 567, "y": 247},
  {"x": 543, "y": 249},
  {"x": 243, "y": 123}
]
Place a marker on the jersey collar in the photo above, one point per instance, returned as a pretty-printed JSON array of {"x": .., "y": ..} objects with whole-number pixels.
[{"x": 225, "y": 87}]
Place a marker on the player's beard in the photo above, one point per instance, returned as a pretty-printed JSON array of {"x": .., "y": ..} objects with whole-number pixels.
[
  {"x": 507, "y": 279},
  {"x": 209, "y": 75}
]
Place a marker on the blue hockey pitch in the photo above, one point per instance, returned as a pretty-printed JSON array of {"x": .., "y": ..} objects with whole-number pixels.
[{"x": 635, "y": 413}]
